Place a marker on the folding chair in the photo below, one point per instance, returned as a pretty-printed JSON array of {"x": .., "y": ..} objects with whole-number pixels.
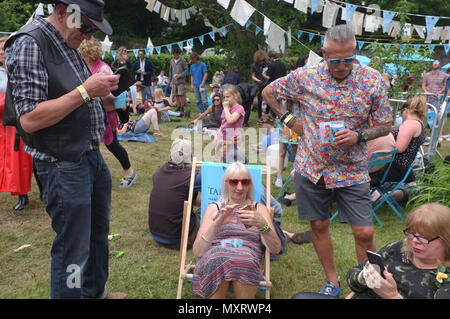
[
  {"x": 288, "y": 146},
  {"x": 378, "y": 158},
  {"x": 386, "y": 197},
  {"x": 210, "y": 191}
]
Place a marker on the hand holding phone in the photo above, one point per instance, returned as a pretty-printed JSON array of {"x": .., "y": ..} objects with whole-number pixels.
[
  {"x": 376, "y": 261},
  {"x": 125, "y": 80}
]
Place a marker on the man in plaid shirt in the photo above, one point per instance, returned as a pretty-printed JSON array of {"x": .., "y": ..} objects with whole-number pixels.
[{"x": 76, "y": 180}]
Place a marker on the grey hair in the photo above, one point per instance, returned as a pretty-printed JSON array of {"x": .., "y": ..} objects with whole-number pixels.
[
  {"x": 233, "y": 170},
  {"x": 342, "y": 33}
]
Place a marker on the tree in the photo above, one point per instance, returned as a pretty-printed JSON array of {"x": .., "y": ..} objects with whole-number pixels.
[{"x": 14, "y": 14}]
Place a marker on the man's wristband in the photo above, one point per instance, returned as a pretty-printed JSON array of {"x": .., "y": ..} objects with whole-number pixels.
[
  {"x": 283, "y": 115},
  {"x": 83, "y": 93}
]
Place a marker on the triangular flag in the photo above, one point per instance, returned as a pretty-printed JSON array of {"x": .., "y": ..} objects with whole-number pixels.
[
  {"x": 50, "y": 9},
  {"x": 147, "y": 52},
  {"x": 387, "y": 19},
  {"x": 150, "y": 5},
  {"x": 241, "y": 12},
  {"x": 314, "y": 5},
  {"x": 169, "y": 47},
  {"x": 103, "y": 55},
  {"x": 158, "y": 50},
  {"x": 149, "y": 43},
  {"x": 301, "y": 5},
  {"x": 136, "y": 53},
  {"x": 446, "y": 48},
  {"x": 299, "y": 34},
  {"x": 224, "y": 3},
  {"x": 157, "y": 6},
  {"x": 432, "y": 47},
  {"x": 40, "y": 10},
  {"x": 212, "y": 35},
  {"x": 360, "y": 45},
  {"x": 201, "y": 38},
  {"x": 311, "y": 36},
  {"x": 349, "y": 10},
  {"x": 322, "y": 39},
  {"x": 180, "y": 44},
  {"x": 416, "y": 47},
  {"x": 190, "y": 42},
  {"x": 248, "y": 24},
  {"x": 430, "y": 23},
  {"x": 114, "y": 54},
  {"x": 257, "y": 30},
  {"x": 223, "y": 30}
]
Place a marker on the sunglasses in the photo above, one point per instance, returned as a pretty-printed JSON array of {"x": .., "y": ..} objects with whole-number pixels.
[
  {"x": 216, "y": 100},
  {"x": 86, "y": 29},
  {"x": 347, "y": 60},
  {"x": 420, "y": 239},
  {"x": 235, "y": 181}
]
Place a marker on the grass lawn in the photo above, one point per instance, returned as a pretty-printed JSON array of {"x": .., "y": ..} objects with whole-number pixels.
[{"x": 147, "y": 270}]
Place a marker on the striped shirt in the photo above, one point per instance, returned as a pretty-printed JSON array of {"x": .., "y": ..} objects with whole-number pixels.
[{"x": 29, "y": 79}]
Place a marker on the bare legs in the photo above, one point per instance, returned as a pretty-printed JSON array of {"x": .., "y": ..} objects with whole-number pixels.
[{"x": 241, "y": 291}]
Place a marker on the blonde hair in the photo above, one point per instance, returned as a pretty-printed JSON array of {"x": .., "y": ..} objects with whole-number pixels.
[
  {"x": 91, "y": 50},
  {"x": 431, "y": 219},
  {"x": 232, "y": 89},
  {"x": 159, "y": 94},
  {"x": 417, "y": 105},
  {"x": 233, "y": 170}
]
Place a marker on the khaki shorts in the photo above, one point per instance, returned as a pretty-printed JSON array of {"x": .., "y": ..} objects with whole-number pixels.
[{"x": 178, "y": 89}]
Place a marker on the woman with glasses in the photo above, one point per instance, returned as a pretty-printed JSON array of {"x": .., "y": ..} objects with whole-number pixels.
[
  {"x": 416, "y": 267},
  {"x": 229, "y": 241},
  {"x": 211, "y": 117}
]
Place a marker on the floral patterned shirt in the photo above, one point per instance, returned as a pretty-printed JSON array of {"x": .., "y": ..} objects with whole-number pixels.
[{"x": 323, "y": 102}]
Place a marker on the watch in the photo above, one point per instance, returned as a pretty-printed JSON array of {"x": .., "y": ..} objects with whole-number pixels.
[{"x": 363, "y": 136}]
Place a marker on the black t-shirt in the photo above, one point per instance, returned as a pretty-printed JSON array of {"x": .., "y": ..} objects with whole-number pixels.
[
  {"x": 258, "y": 69},
  {"x": 276, "y": 70},
  {"x": 170, "y": 190}
]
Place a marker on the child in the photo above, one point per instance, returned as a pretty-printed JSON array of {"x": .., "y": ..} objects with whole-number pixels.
[{"x": 228, "y": 138}]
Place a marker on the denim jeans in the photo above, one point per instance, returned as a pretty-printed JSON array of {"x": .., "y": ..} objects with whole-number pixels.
[
  {"x": 146, "y": 94},
  {"x": 78, "y": 200},
  {"x": 201, "y": 97}
]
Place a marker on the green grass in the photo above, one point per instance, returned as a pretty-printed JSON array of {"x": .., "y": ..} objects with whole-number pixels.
[{"x": 147, "y": 270}]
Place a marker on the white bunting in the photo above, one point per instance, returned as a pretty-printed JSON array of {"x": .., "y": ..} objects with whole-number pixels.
[
  {"x": 241, "y": 12},
  {"x": 329, "y": 15},
  {"x": 224, "y": 3}
]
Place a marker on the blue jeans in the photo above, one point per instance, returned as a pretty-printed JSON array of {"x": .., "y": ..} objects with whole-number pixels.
[
  {"x": 201, "y": 97},
  {"x": 78, "y": 200},
  {"x": 146, "y": 94}
]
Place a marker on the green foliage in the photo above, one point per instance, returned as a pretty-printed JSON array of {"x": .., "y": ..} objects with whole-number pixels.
[
  {"x": 14, "y": 14},
  {"x": 433, "y": 186}
]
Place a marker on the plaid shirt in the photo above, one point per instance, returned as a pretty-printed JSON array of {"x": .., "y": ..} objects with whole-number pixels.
[
  {"x": 29, "y": 78},
  {"x": 323, "y": 99}
]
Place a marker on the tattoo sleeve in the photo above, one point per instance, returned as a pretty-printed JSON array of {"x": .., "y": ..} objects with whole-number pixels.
[{"x": 378, "y": 131}]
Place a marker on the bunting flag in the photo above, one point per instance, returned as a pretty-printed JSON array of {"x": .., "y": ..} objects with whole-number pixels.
[
  {"x": 147, "y": 52},
  {"x": 360, "y": 45},
  {"x": 223, "y": 31},
  {"x": 136, "y": 53},
  {"x": 224, "y": 3},
  {"x": 169, "y": 47},
  {"x": 241, "y": 12},
  {"x": 190, "y": 42},
  {"x": 202, "y": 39},
  {"x": 301, "y": 5},
  {"x": 180, "y": 45},
  {"x": 248, "y": 24},
  {"x": 299, "y": 34},
  {"x": 314, "y": 5},
  {"x": 158, "y": 50},
  {"x": 387, "y": 19},
  {"x": 329, "y": 15},
  {"x": 446, "y": 48},
  {"x": 311, "y": 36},
  {"x": 257, "y": 30},
  {"x": 349, "y": 11},
  {"x": 213, "y": 36},
  {"x": 417, "y": 47},
  {"x": 430, "y": 22}
]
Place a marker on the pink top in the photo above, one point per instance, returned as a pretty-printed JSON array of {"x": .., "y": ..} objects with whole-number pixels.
[
  {"x": 232, "y": 131},
  {"x": 101, "y": 67},
  {"x": 435, "y": 82}
]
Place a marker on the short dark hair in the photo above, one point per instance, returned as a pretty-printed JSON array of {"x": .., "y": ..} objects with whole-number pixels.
[{"x": 176, "y": 50}]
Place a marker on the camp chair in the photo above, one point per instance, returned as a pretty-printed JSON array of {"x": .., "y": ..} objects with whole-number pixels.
[
  {"x": 210, "y": 191},
  {"x": 378, "y": 158},
  {"x": 386, "y": 197}
]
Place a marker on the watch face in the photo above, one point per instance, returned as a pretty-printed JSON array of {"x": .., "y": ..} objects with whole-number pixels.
[{"x": 365, "y": 136}]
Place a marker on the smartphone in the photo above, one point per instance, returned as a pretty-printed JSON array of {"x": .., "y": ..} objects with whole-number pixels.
[
  {"x": 377, "y": 262},
  {"x": 125, "y": 81},
  {"x": 247, "y": 207}
]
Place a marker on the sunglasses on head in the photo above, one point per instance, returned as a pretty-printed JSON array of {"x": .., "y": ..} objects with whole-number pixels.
[
  {"x": 236, "y": 181},
  {"x": 86, "y": 29},
  {"x": 347, "y": 60}
]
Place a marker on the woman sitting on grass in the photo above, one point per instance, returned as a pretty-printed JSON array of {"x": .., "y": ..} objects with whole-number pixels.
[
  {"x": 229, "y": 241},
  {"x": 211, "y": 118},
  {"x": 150, "y": 117},
  {"x": 417, "y": 267}
]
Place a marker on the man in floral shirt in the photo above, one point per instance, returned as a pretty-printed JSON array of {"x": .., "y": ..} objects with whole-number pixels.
[{"x": 337, "y": 97}]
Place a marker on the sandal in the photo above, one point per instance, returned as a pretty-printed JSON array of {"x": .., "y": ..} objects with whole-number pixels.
[{"x": 302, "y": 238}]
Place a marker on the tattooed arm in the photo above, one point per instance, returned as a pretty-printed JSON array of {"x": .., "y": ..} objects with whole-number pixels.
[{"x": 349, "y": 137}]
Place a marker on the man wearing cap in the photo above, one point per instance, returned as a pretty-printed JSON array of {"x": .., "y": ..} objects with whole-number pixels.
[{"x": 62, "y": 120}]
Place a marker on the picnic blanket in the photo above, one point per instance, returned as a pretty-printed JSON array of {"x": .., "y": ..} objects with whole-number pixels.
[{"x": 136, "y": 137}]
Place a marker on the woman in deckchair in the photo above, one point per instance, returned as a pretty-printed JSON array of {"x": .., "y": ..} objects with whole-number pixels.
[{"x": 229, "y": 241}]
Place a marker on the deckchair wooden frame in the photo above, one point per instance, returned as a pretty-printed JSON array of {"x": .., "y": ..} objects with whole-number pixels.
[{"x": 185, "y": 271}]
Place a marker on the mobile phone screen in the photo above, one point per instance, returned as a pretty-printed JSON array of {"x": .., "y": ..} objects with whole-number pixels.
[
  {"x": 125, "y": 80},
  {"x": 377, "y": 262}
]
